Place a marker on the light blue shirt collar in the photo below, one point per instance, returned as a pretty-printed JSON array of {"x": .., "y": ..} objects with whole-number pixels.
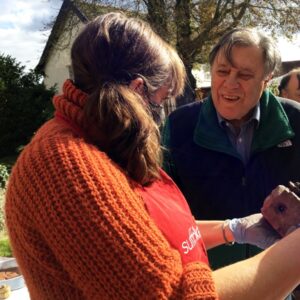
[{"x": 255, "y": 116}]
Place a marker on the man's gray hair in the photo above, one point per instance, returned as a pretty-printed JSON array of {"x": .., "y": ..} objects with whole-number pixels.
[{"x": 247, "y": 37}]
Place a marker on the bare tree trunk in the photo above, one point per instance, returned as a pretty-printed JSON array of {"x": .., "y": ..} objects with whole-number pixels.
[
  {"x": 157, "y": 17},
  {"x": 183, "y": 17}
]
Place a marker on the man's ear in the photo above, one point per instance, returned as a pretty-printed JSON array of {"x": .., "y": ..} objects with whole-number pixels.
[
  {"x": 267, "y": 79},
  {"x": 137, "y": 85}
]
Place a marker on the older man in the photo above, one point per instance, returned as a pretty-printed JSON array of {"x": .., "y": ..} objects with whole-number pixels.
[
  {"x": 289, "y": 86},
  {"x": 228, "y": 152}
]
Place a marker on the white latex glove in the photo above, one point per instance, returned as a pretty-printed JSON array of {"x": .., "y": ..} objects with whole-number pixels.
[{"x": 253, "y": 230}]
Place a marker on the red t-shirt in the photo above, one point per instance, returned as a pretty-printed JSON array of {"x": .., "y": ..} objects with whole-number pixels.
[{"x": 169, "y": 210}]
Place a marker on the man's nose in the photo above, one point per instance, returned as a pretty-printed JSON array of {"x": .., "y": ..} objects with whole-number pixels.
[{"x": 232, "y": 81}]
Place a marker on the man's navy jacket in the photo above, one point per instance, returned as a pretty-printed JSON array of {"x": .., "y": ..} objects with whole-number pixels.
[{"x": 207, "y": 168}]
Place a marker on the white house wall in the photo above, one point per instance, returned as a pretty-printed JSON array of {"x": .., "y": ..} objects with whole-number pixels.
[{"x": 57, "y": 67}]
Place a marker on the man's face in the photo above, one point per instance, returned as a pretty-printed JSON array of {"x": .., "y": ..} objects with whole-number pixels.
[
  {"x": 237, "y": 88},
  {"x": 292, "y": 90}
]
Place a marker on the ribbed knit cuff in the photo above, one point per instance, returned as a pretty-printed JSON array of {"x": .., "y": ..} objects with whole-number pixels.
[{"x": 198, "y": 282}]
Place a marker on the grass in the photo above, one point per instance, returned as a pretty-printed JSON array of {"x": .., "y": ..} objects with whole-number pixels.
[{"x": 5, "y": 249}]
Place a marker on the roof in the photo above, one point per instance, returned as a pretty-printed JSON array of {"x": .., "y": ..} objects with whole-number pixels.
[
  {"x": 84, "y": 13},
  {"x": 58, "y": 26}
]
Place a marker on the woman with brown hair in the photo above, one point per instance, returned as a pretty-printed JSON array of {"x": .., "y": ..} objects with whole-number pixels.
[{"x": 90, "y": 213}]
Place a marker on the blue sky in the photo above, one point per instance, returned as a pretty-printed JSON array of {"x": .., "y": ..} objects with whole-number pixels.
[{"x": 23, "y": 34}]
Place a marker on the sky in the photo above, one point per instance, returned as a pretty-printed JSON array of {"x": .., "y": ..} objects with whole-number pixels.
[
  {"x": 22, "y": 28},
  {"x": 23, "y": 34}
]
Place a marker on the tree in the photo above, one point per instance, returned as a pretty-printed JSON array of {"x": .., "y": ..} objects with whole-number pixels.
[
  {"x": 193, "y": 26},
  {"x": 25, "y": 104}
]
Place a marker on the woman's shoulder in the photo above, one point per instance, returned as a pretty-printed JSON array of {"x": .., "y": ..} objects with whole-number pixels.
[
  {"x": 55, "y": 129},
  {"x": 63, "y": 165},
  {"x": 56, "y": 146}
]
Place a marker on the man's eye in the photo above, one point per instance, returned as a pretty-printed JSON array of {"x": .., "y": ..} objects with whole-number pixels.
[
  {"x": 245, "y": 76},
  {"x": 222, "y": 72}
]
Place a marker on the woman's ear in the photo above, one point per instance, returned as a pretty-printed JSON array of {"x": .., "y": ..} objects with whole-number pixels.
[{"x": 137, "y": 85}]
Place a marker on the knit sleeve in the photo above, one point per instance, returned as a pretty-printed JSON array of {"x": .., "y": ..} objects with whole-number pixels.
[{"x": 83, "y": 207}]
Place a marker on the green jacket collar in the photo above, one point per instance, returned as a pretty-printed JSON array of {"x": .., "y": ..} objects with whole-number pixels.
[{"x": 274, "y": 127}]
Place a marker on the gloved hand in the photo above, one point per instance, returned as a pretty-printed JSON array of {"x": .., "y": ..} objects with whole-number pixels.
[
  {"x": 254, "y": 230},
  {"x": 292, "y": 228}
]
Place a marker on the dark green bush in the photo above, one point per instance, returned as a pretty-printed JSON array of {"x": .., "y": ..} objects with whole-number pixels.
[{"x": 25, "y": 104}]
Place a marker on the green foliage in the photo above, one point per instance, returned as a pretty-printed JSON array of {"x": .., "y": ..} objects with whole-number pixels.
[
  {"x": 5, "y": 249},
  {"x": 273, "y": 87},
  {"x": 2, "y": 221},
  {"x": 3, "y": 175},
  {"x": 6, "y": 164},
  {"x": 25, "y": 104}
]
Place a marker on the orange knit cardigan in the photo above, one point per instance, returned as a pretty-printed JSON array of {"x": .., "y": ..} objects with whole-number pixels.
[{"x": 78, "y": 228}]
